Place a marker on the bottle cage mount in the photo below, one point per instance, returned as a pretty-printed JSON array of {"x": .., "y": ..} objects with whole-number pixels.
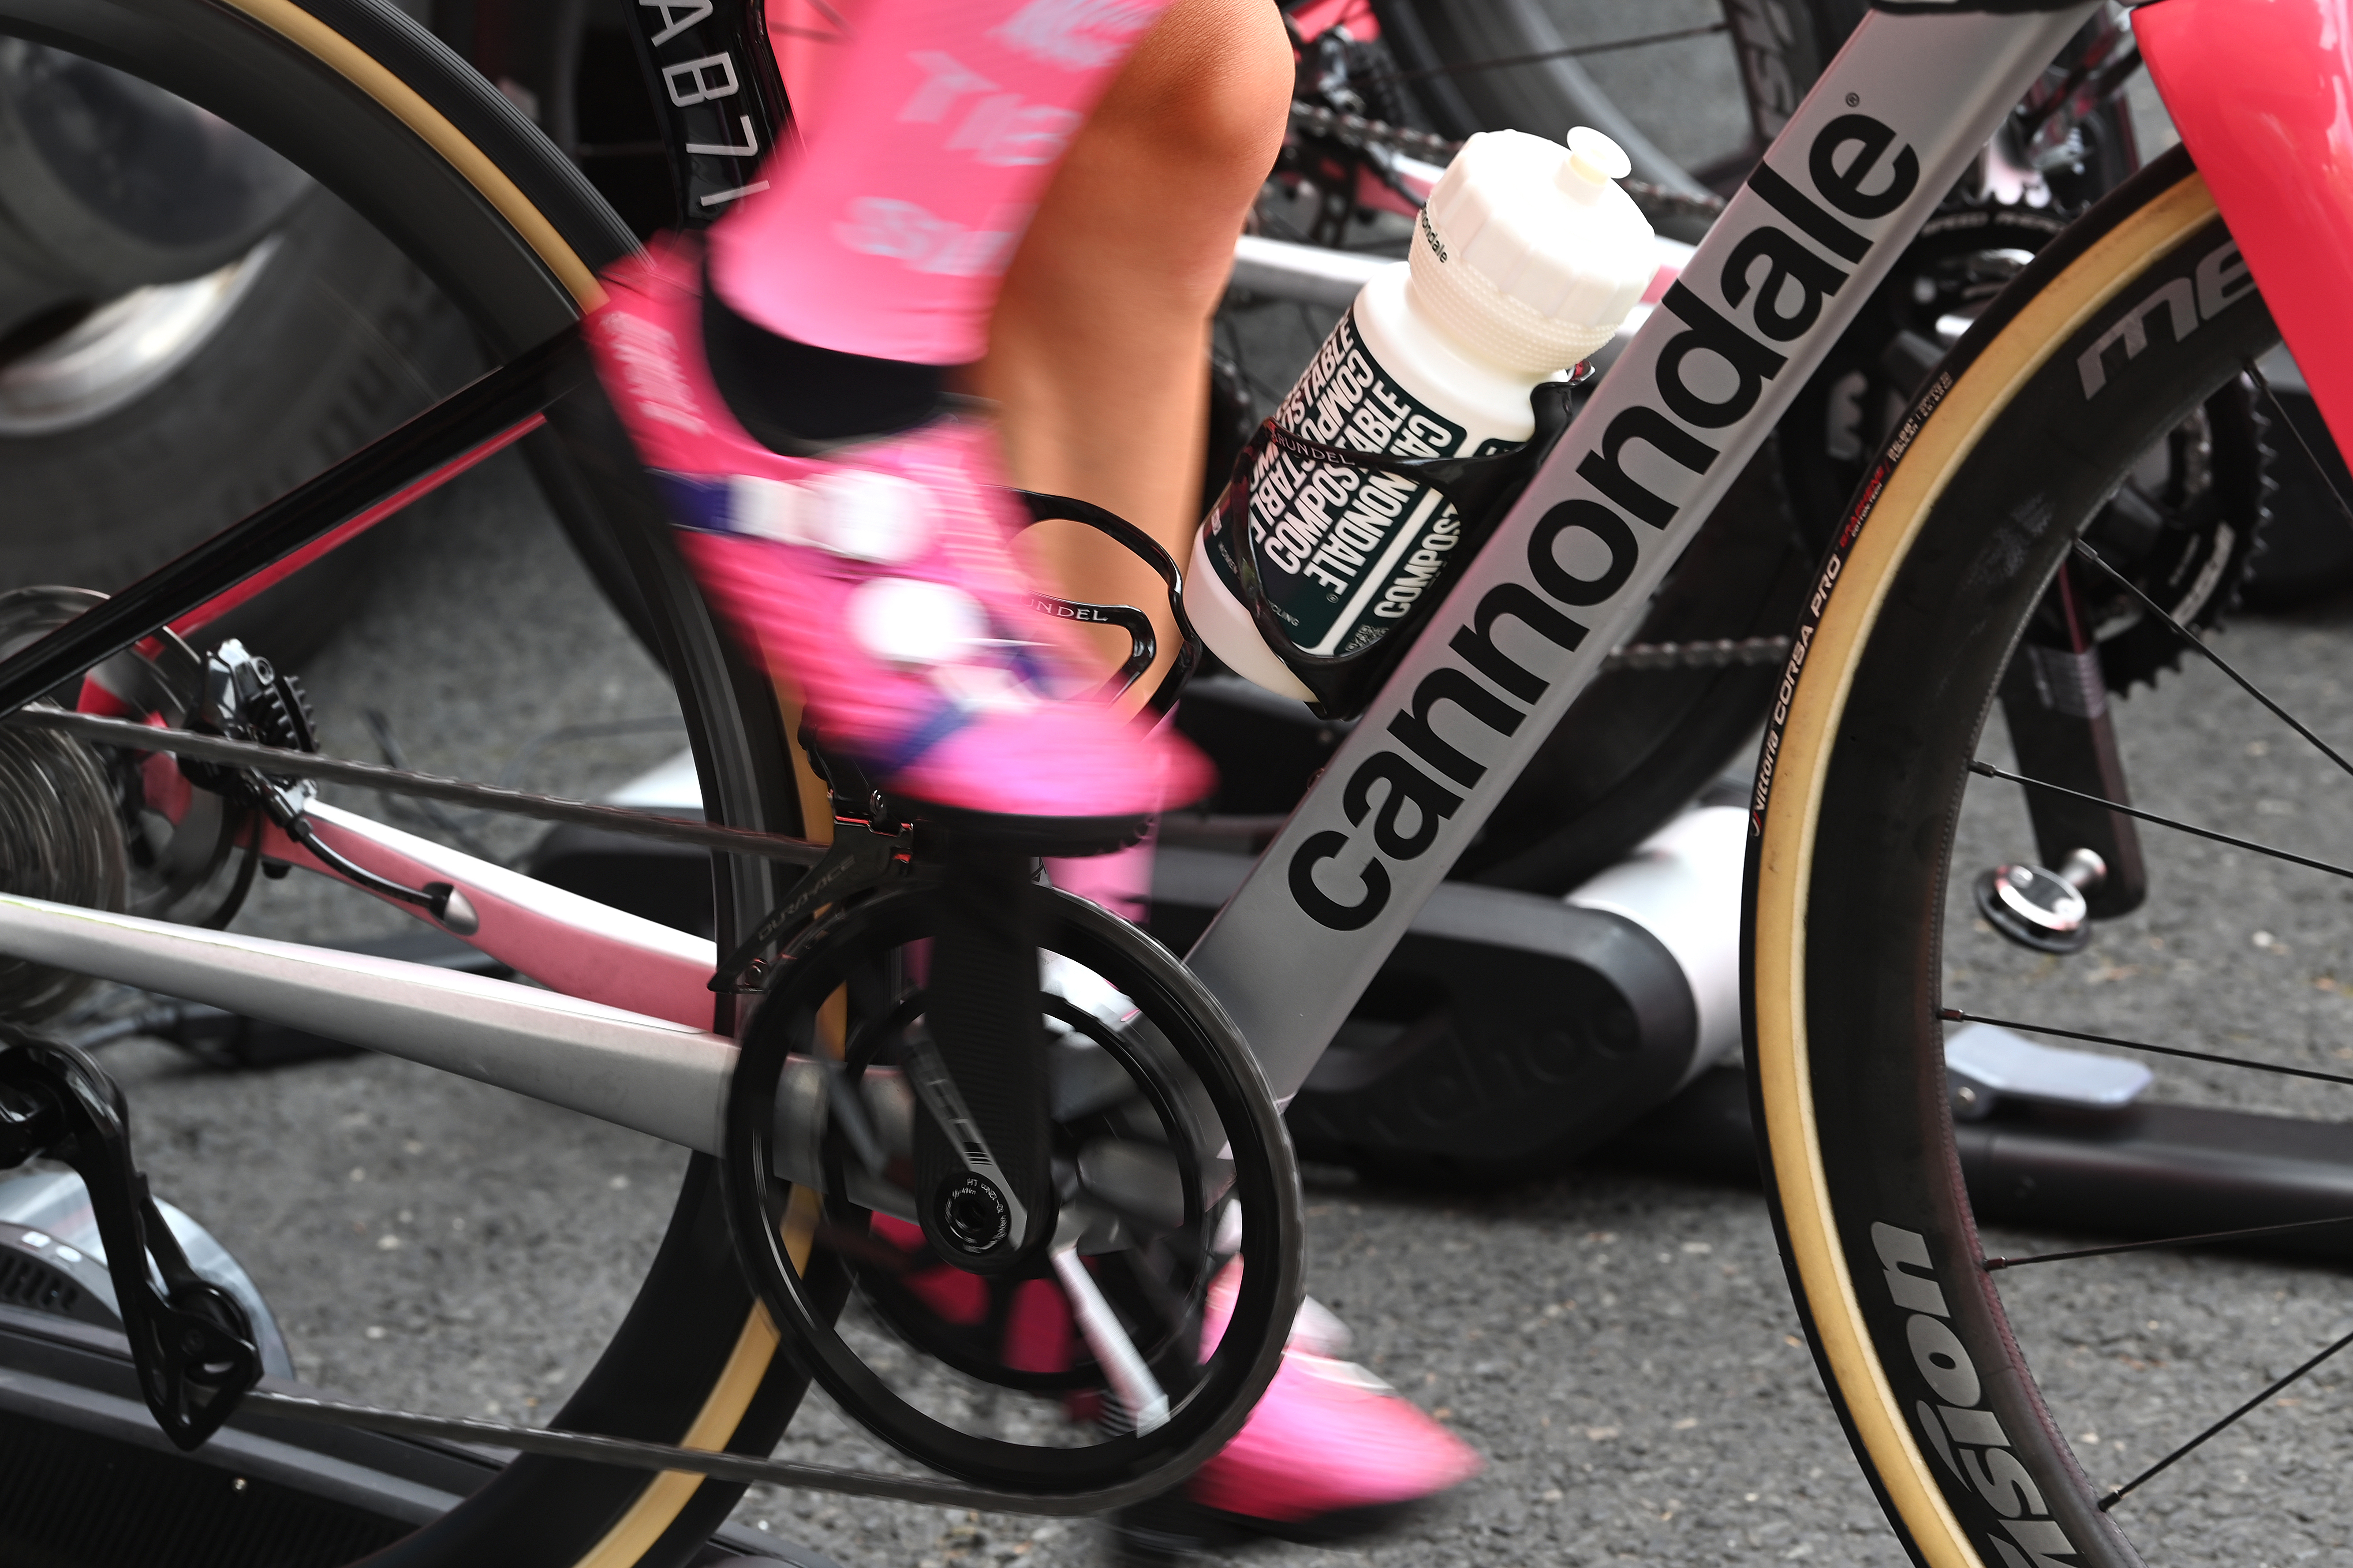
[{"x": 1481, "y": 490}]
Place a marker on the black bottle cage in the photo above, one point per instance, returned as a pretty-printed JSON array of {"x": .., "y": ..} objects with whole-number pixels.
[
  {"x": 1481, "y": 491},
  {"x": 1143, "y": 647}
]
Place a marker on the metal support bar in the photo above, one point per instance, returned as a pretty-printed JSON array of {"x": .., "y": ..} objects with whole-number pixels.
[
  {"x": 662, "y": 1079},
  {"x": 665, "y": 1080}
]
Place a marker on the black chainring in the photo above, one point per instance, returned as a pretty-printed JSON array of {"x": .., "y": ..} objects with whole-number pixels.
[
  {"x": 2183, "y": 527},
  {"x": 971, "y": 1321}
]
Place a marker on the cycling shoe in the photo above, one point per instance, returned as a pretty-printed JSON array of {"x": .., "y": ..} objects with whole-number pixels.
[
  {"x": 878, "y": 578},
  {"x": 1331, "y": 1452}
]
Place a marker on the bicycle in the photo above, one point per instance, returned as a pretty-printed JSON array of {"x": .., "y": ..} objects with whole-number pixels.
[
  {"x": 1188, "y": 1163},
  {"x": 1339, "y": 880}
]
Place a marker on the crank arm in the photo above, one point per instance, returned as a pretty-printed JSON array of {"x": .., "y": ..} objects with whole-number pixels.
[
  {"x": 987, "y": 1183},
  {"x": 1124, "y": 1366},
  {"x": 191, "y": 1341}
]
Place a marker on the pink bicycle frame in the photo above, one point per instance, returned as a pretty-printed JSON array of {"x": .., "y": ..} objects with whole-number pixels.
[{"x": 2262, "y": 95}]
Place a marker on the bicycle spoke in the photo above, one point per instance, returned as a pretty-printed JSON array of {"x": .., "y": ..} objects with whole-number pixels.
[
  {"x": 2218, "y": 662},
  {"x": 1987, "y": 770},
  {"x": 443, "y": 436},
  {"x": 1991, "y": 1264},
  {"x": 2117, "y": 1494},
  {"x": 1955, "y": 1015}
]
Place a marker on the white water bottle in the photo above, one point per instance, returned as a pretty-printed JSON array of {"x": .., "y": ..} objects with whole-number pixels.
[{"x": 1524, "y": 261}]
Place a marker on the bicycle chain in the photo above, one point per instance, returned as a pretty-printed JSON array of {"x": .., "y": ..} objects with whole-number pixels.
[
  {"x": 631, "y": 1453},
  {"x": 1379, "y": 135},
  {"x": 279, "y": 761},
  {"x": 1720, "y": 654}
]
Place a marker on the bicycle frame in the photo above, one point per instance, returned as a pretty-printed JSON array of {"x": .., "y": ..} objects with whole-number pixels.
[{"x": 1890, "y": 127}]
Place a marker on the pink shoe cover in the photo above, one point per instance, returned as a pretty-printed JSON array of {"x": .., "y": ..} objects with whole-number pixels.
[
  {"x": 1329, "y": 1439},
  {"x": 878, "y": 578}
]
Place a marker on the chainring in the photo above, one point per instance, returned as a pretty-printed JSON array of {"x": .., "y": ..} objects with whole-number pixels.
[{"x": 2183, "y": 527}]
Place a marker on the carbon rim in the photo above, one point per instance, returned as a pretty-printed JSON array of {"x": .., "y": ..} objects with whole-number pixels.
[{"x": 1930, "y": 583}]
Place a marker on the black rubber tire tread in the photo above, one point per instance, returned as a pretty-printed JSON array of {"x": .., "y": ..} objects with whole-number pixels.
[
  {"x": 1951, "y": 543},
  {"x": 673, "y": 1352},
  {"x": 152, "y": 469}
]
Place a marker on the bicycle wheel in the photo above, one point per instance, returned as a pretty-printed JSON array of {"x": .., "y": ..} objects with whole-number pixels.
[
  {"x": 2103, "y": 357},
  {"x": 391, "y": 124}
]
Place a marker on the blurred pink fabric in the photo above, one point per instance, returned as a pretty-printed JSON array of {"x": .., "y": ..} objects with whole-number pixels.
[{"x": 886, "y": 230}]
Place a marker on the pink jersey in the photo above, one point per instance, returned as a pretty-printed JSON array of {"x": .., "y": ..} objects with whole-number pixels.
[{"x": 939, "y": 122}]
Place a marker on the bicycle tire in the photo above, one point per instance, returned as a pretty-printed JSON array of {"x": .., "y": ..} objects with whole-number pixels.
[
  {"x": 392, "y": 122},
  {"x": 2029, "y": 425}
]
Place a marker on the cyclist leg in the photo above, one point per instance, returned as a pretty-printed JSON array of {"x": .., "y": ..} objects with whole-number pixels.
[
  {"x": 841, "y": 517},
  {"x": 1095, "y": 360},
  {"x": 1096, "y": 350}
]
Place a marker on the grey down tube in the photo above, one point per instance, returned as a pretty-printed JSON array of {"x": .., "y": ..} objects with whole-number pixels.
[{"x": 1883, "y": 135}]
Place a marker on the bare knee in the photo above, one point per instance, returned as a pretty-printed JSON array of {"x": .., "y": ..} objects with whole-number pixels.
[{"x": 1204, "y": 97}]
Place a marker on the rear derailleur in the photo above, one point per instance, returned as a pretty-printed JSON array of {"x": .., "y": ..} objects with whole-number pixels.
[
  {"x": 247, "y": 699},
  {"x": 190, "y": 1340}
]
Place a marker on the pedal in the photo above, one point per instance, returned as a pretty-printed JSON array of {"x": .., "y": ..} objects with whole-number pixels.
[{"x": 2043, "y": 911}]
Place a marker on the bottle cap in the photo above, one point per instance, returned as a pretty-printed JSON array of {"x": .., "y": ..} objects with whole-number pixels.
[{"x": 1528, "y": 252}]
